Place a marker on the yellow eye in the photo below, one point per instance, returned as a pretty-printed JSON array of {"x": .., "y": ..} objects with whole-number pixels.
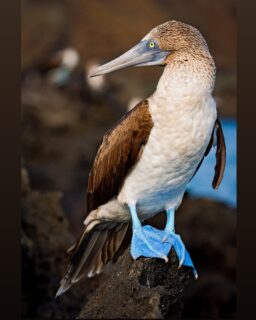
[{"x": 151, "y": 44}]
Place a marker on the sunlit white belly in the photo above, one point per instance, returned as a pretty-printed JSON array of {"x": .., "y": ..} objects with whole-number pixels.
[{"x": 176, "y": 145}]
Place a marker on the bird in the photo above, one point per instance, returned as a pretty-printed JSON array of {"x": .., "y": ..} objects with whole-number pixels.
[
  {"x": 96, "y": 84},
  {"x": 61, "y": 65},
  {"x": 147, "y": 159},
  {"x": 56, "y": 67}
]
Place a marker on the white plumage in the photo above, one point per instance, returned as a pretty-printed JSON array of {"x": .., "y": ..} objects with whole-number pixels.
[
  {"x": 176, "y": 144},
  {"x": 183, "y": 113}
]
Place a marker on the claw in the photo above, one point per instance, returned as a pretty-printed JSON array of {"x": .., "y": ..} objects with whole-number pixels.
[
  {"x": 165, "y": 258},
  {"x": 183, "y": 257}
]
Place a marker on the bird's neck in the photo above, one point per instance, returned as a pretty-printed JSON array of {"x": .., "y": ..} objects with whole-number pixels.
[{"x": 186, "y": 78}]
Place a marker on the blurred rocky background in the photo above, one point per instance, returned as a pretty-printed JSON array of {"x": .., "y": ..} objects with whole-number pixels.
[{"x": 64, "y": 117}]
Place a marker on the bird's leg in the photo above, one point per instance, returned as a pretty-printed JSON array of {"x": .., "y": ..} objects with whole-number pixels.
[
  {"x": 136, "y": 224},
  {"x": 146, "y": 240},
  {"x": 169, "y": 227},
  {"x": 176, "y": 242}
]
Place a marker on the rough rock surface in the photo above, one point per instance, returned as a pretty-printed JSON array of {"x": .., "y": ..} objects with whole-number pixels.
[
  {"x": 208, "y": 230},
  {"x": 45, "y": 238},
  {"x": 141, "y": 289}
]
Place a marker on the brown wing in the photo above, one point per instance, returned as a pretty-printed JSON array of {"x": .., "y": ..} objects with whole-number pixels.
[
  {"x": 220, "y": 154},
  {"x": 120, "y": 149},
  {"x": 117, "y": 154}
]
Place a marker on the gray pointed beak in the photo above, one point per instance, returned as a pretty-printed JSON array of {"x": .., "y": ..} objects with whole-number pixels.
[{"x": 139, "y": 55}]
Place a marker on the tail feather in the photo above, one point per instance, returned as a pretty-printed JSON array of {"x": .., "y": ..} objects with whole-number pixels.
[
  {"x": 95, "y": 268},
  {"x": 93, "y": 251},
  {"x": 86, "y": 266},
  {"x": 84, "y": 259}
]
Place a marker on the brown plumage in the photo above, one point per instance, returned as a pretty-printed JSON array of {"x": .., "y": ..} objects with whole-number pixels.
[
  {"x": 220, "y": 154},
  {"x": 179, "y": 36},
  {"x": 117, "y": 154}
]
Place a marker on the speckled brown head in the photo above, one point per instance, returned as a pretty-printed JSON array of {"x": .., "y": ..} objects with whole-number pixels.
[
  {"x": 177, "y": 37},
  {"x": 168, "y": 42}
]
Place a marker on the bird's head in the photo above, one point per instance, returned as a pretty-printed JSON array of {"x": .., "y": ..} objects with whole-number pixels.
[{"x": 159, "y": 47}]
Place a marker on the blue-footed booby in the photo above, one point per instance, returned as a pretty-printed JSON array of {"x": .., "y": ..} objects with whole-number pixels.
[{"x": 146, "y": 161}]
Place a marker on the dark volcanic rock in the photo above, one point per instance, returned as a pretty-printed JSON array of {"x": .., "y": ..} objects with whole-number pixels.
[
  {"x": 44, "y": 240},
  {"x": 141, "y": 289},
  {"x": 208, "y": 230}
]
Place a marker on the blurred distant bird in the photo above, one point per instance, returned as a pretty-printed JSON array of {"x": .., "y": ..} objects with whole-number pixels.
[
  {"x": 61, "y": 65},
  {"x": 57, "y": 67},
  {"x": 146, "y": 161},
  {"x": 97, "y": 84}
]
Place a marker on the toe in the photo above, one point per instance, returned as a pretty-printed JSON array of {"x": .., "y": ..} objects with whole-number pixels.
[
  {"x": 189, "y": 263},
  {"x": 180, "y": 250}
]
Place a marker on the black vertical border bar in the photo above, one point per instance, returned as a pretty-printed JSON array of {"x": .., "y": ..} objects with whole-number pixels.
[
  {"x": 246, "y": 142},
  {"x": 10, "y": 57}
]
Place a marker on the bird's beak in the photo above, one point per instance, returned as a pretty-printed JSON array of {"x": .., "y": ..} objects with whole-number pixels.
[{"x": 139, "y": 55}]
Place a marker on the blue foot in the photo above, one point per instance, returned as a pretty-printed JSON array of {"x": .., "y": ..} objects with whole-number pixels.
[{"x": 153, "y": 243}]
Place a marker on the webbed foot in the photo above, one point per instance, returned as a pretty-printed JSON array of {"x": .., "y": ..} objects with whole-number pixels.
[
  {"x": 148, "y": 242},
  {"x": 153, "y": 243}
]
